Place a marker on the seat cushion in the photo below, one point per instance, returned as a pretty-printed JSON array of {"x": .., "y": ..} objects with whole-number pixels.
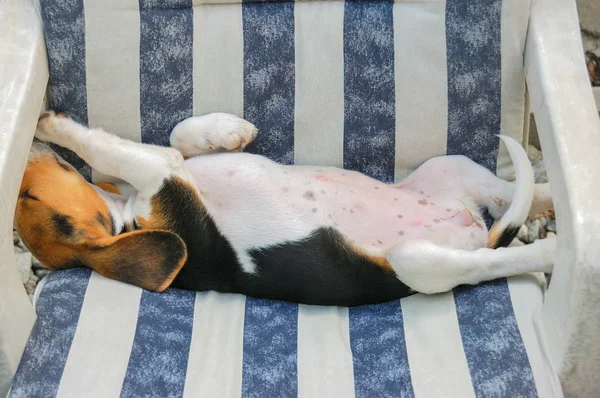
[
  {"x": 373, "y": 86},
  {"x": 98, "y": 337}
]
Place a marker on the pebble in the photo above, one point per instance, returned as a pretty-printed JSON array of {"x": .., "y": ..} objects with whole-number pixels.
[
  {"x": 523, "y": 233},
  {"x": 31, "y": 270},
  {"x": 551, "y": 225},
  {"x": 24, "y": 266},
  {"x": 30, "y": 285}
]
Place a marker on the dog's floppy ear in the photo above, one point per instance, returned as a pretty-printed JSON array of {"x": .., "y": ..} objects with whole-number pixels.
[{"x": 149, "y": 259}]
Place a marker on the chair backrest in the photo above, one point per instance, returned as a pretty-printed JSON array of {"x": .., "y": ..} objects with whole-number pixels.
[{"x": 374, "y": 86}]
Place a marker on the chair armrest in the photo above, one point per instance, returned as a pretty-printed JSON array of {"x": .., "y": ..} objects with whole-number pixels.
[
  {"x": 23, "y": 80},
  {"x": 569, "y": 130}
]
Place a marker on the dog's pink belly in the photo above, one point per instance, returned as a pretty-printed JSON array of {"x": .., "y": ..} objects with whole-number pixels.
[
  {"x": 256, "y": 202},
  {"x": 376, "y": 216}
]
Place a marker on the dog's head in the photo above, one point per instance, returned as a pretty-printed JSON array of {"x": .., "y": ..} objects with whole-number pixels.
[{"x": 65, "y": 223}]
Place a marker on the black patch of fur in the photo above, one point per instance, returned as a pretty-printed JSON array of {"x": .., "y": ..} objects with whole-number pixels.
[
  {"x": 319, "y": 269},
  {"x": 62, "y": 224},
  {"x": 507, "y": 236},
  {"x": 211, "y": 262}
]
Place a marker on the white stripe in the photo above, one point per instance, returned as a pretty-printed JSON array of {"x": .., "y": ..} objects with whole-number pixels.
[
  {"x": 514, "y": 17},
  {"x": 421, "y": 84},
  {"x": 216, "y": 351},
  {"x": 218, "y": 60},
  {"x": 112, "y": 40},
  {"x": 324, "y": 355},
  {"x": 526, "y": 293},
  {"x": 319, "y": 110},
  {"x": 438, "y": 365},
  {"x": 103, "y": 340}
]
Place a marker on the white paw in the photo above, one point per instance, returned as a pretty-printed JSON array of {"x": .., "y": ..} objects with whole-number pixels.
[
  {"x": 53, "y": 128},
  {"x": 210, "y": 133}
]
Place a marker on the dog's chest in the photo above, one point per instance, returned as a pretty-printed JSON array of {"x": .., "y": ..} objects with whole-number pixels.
[{"x": 257, "y": 203}]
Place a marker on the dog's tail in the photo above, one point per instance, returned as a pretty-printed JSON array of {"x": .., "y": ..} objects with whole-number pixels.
[{"x": 506, "y": 228}]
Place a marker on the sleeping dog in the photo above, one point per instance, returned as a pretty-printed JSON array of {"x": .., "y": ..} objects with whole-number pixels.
[{"x": 241, "y": 223}]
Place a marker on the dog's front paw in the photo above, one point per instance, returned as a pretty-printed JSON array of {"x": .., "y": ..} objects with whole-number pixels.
[
  {"x": 51, "y": 127},
  {"x": 213, "y": 132}
]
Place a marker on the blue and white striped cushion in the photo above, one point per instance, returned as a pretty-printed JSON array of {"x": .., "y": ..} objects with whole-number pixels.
[
  {"x": 98, "y": 337},
  {"x": 375, "y": 86},
  {"x": 378, "y": 87}
]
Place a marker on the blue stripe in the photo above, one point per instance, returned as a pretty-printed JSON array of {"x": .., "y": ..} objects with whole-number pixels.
[
  {"x": 474, "y": 79},
  {"x": 379, "y": 351},
  {"x": 166, "y": 67},
  {"x": 269, "y": 77},
  {"x": 159, "y": 356},
  {"x": 270, "y": 364},
  {"x": 492, "y": 342},
  {"x": 64, "y": 31},
  {"x": 58, "y": 308},
  {"x": 369, "y": 96}
]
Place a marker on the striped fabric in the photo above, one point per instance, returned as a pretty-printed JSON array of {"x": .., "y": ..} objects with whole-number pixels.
[
  {"x": 374, "y": 86},
  {"x": 98, "y": 337}
]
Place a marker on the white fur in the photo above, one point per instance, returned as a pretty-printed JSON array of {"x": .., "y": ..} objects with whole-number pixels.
[
  {"x": 206, "y": 134},
  {"x": 429, "y": 268}
]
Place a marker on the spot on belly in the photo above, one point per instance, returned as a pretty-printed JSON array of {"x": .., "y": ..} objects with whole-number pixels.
[
  {"x": 314, "y": 210},
  {"x": 400, "y": 216},
  {"x": 436, "y": 220},
  {"x": 376, "y": 187},
  {"x": 427, "y": 225},
  {"x": 230, "y": 173},
  {"x": 400, "y": 233},
  {"x": 322, "y": 191},
  {"x": 422, "y": 193},
  {"x": 285, "y": 189},
  {"x": 423, "y": 202},
  {"x": 309, "y": 195}
]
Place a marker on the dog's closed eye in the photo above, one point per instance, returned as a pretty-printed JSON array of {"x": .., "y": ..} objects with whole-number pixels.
[{"x": 26, "y": 195}]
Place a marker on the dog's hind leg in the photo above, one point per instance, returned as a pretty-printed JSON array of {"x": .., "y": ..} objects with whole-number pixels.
[
  {"x": 428, "y": 268},
  {"x": 449, "y": 176}
]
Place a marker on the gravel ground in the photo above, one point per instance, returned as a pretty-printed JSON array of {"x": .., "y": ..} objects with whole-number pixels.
[{"x": 539, "y": 226}]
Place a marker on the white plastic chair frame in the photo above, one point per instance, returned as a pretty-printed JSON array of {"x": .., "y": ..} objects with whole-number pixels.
[{"x": 569, "y": 129}]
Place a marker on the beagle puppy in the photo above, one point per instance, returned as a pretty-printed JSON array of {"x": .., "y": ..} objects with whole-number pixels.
[{"x": 241, "y": 223}]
